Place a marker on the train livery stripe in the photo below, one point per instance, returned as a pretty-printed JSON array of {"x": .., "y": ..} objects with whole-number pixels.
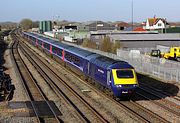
[
  {"x": 50, "y": 49},
  {"x": 63, "y": 55}
]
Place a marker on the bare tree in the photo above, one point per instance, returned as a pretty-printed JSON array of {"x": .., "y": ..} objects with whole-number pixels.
[
  {"x": 88, "y": 43},
  {"x": 116, "y": 46},
  {"x": 106, "y": 44}
]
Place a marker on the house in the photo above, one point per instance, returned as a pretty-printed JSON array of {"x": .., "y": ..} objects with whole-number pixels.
[
  {"x": 155, "y": 24},
  {"x": 139, "y": 29},
  {"x": 122, "y": 25}
]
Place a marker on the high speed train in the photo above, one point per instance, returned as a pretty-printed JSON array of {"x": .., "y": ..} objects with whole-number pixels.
[{"x": 118, "y": 76}]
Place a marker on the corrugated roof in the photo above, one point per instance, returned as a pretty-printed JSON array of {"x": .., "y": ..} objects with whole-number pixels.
[{"x": 145, "y": 37}]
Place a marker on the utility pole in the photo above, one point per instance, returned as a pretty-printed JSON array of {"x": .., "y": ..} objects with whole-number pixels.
[
  {"x": 165, "y": 25},
  {"x": 132, "y": 7}
]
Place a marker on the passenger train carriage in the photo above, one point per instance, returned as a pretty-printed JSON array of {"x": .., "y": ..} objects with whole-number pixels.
[{"x": 118, "y": 76}]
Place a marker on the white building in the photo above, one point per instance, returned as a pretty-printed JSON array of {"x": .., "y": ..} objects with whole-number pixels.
[{"x": 155, "y": 23}]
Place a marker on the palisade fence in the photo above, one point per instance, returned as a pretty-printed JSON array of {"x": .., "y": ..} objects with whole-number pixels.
[{"x": 161, "y": 68}]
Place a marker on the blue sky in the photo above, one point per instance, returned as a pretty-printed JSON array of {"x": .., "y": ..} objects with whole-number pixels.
[{"x": 85, "y": 10}]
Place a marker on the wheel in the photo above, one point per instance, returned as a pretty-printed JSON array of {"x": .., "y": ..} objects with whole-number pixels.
[{"x": 178, "y": 58}]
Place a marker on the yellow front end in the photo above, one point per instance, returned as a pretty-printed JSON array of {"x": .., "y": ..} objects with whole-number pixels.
[{"x": 124, "y": 77}]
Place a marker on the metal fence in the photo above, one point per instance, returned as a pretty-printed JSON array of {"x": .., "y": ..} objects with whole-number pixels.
[{"x": 161, "y": 68}]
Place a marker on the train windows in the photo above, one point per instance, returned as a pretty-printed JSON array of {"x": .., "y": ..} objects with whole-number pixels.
[
  {"x": 57, "y": 51},
  {"x": 46, "y": 46},
  {"x": 39, "y": 42},
  {"x": 124, "y": 74},
  {"x": 34, "y": 39},
  {"x": 72, "y": 58}
]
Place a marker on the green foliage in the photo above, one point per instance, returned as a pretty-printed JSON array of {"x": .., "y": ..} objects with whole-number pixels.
[{"x": 26, "y": 24}]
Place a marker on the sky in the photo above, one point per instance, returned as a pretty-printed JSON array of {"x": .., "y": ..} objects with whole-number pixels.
[{"x": 89, "y": 10}]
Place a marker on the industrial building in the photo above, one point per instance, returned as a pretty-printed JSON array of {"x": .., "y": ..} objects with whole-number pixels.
[{"x": 45, "y": 26}]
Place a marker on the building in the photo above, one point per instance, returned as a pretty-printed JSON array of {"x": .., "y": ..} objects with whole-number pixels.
[
  {"x": 155, "y": 24},
  {"x": 45, "y": 26},
  {"x": 99, "y": 25},
  {"x": 122, "y": 25}
]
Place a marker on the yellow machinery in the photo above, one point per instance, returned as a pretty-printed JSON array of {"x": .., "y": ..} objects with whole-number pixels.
[{"x": 174, "y": 53}]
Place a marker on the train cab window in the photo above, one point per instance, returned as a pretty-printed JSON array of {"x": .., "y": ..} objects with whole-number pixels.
[{"x": 124, "y": 73}]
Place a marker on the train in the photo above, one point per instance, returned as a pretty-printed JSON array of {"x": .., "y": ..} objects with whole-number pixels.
[{"x": 115, "y": 75}]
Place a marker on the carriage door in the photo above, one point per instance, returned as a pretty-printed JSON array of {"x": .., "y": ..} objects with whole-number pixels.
[{"x": 108, "y": 78}]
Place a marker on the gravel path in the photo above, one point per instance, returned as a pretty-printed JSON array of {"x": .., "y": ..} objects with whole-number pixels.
[{"x": 7, "y": 113}]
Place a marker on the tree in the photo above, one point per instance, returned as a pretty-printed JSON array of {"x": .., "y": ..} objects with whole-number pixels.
[
  {"x": 88, "y": 43},
  {"x": 116, "y": 46},
  {"x": 106, "y": 44},
  {"x": 26, "y": 24},
  {"x": 35, "y": 24}
]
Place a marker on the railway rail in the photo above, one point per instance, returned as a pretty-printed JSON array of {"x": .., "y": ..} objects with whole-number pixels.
[
  {"x": 40, "y": 105},
  {"x": 146, "y": 116},
  {"x": 161, "y": 92},
  {"x": 141, "y": 112},
  {"x": 155, "y": 98},
  {"x": 62, "y": 89}
]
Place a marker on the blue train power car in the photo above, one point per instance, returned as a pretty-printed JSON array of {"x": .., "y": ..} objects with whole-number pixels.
[{"x": 118, "y": 76}]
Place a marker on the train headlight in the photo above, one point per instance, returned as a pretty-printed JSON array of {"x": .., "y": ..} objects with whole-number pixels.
[
  {"x": 119, "y": 86},
  {"x": 135, "y": 85}
]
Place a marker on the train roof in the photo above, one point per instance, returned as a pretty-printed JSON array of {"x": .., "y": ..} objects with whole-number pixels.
[
  {"x": 102, "y": 61},
  {"x": 61, "y": 45},
  {"x": 79, "y": 52},
  {"x": 92, "y": 56},
  {"x": 50, "y": 41},
  {"x": 97, "y": 59},
  {"x": 121, "y": 65},
  {"x": 105, "y": 62}
]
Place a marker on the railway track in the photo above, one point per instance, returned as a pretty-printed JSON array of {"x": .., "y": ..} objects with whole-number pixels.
[
  {"x": 163, "y": 94},
  {"x": 85, "y": 111},
  {"x": 155, "y": 98},
  {"x": 42, "y": 108},
  {"x": 146, "y": 116}
]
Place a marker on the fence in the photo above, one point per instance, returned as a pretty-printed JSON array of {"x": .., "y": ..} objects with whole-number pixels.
[{"x": 160, "y": 68}]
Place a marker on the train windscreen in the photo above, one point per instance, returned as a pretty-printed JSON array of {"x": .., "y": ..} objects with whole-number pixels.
[{"x": 124, "y": 74}]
